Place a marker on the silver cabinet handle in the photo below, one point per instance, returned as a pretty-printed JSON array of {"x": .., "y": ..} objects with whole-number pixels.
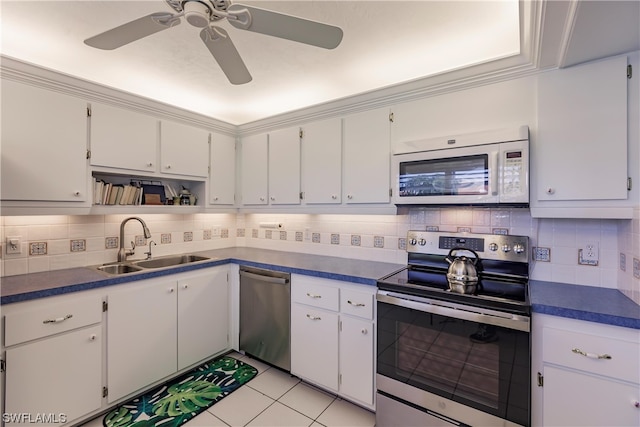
[
  {"x": 168, "y": 166},
  {"x": 77, "y": 194},
  {"x": 313, "y": 317},
  {"x": 334, "y": 197},
  {"x": 313, "y": 295},
  {"x": 591, "y": 355},
  {"x": 636, "y": 403},
  {"x": 58, "y": 320},
  {"x": 92, "y": 337},
  {"x": 185, "y": 286},
  {"x": 364, "y": 331},
  {"x": 149, "y": 164},
  {"x": 355, "y": 304}
]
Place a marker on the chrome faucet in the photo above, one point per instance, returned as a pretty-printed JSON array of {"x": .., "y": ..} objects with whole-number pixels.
[{"x": 124, "y": 253}]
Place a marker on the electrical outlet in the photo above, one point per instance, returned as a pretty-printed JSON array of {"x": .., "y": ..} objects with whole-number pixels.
[
  {"x": 588, "y": 254},
  {"x": 542, "y": 254},
  {"x": 216, "y": 231},
  {"x": 14, "y": 245}
]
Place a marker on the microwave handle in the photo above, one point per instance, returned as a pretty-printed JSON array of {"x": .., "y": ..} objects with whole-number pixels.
[{"x": 493, "y": 172}]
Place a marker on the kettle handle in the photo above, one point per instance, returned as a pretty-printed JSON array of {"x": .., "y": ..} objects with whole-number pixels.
[{"x": 450, "y": 260}]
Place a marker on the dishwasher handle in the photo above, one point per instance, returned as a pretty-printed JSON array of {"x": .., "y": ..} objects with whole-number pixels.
[{"x": 263, "y": 278}]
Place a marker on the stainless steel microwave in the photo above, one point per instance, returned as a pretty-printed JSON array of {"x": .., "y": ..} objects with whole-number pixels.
[{"x": 486, "y": 168}]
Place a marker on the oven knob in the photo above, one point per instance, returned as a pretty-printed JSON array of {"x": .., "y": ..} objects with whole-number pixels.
[
  {"x": 493, "y": 247},
  {"x": 518, "y": 248},
  {"x": 413, "y": 242},
  {"x": 506, "y": 248},
  {"x": 422, "y": 242}
]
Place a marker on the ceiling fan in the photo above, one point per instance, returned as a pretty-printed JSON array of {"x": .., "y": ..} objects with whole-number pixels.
[{"x": 205, "y": 13}]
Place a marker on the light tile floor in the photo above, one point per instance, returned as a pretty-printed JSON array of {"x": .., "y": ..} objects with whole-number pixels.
[{"x": 275, "y": 398}]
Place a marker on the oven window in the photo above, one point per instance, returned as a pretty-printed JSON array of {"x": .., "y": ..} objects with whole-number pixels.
[
  {"x": 455, "y": 176},
  {"x": 482, "y": 366}
]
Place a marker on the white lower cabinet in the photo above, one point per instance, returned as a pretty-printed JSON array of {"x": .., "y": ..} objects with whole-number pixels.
[
  {"x": 159, "y": 326},
  {"x": 314, "y": 345},
  {"x": 142, "y": 335},
  {"x": 53, "y": 352},
  {"x": 588, "y": 374},
  {"x": 55, "y": 347},
  {"x": 356, "y": 358},
  {"x": 333, "y": 336},
  {"x": 203, "y": 316}
]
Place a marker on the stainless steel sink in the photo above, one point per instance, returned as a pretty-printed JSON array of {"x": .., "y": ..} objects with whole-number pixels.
[
  {"x": 170, "y": 261},
  {"x": 119, "y": 268},
  {"x": 128, "y": 267}
]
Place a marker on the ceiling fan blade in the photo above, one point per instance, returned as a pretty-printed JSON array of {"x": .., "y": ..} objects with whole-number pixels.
[
  {"x": 226, "y": 55},
  {"x": 132, "y": 31},
  {"x": 284, "y": 26}
]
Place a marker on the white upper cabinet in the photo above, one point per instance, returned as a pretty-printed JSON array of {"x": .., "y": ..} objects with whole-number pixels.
[
  {"x": 123, "y": 139},
  {"x": 254, "y": 169},
  {"x": 184, "y": 150},
  {"x": 366, "y": 157},
  {"x": 222, "y": 181},
  {"x": 44, "y": 145},
  {"x": 579, "y": 155},
  {"x": 284, "y": 167},
  {"x": 322, "y": 162}
]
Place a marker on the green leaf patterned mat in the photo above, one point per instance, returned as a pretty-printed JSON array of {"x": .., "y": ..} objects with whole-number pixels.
[{"x": 176, "y": 402}]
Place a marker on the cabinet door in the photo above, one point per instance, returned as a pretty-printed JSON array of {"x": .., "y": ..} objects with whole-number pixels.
[
  {"x": 575, "y": 398},
  {"x": 203, "y": 317},
  {"x": 142, "y": 336},
  {"x": 58, "y": 375},
  {"x": 356, "y": 359},
  {"x": 222, "y": 182},
  {"x": 367, "y": 157},
  {"x": 123, "y": 139},
  {"x": 254, "y": 167},
  {"x": 322, "y": 162},
  {"x": 284, "y": 167},
  {"x": 184, "y": 150},
  {"x": 314, "y": 345},
  {"x": 581, "y": 148},
  {"x": 44, "y": 145}
]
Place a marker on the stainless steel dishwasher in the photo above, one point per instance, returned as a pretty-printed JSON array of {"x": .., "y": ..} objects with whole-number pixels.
[{"x": 265, "y": 315}]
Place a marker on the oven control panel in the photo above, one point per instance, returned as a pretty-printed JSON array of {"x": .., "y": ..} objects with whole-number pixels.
[{"x": 488, "y": 246}]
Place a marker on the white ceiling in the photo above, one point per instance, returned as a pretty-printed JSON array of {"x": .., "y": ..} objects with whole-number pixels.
[{"x": 385, "y": 43}]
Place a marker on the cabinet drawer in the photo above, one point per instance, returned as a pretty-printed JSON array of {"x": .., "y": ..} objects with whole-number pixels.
[
  {"x": 563, "y": 347},
  {"x": 315, "y": 292},
  {"x": 356, "y": 303},
  {"x": 41, "y": 319}
]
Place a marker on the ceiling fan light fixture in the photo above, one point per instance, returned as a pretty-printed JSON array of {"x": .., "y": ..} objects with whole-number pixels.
[{"x": 196, "y": 13}]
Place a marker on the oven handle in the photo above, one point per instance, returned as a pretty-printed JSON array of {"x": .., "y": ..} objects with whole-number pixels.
[{"x": 456, "y": 311}]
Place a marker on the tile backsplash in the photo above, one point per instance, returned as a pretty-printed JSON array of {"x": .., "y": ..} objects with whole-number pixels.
[{"x": 371, "y": 237}]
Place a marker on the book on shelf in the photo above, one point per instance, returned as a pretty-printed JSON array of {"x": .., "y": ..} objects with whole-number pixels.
[{"x": 136, "y": 192}]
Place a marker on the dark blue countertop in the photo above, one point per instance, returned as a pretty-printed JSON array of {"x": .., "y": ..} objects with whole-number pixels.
[
  {"x": 593, "y": 304},
  {"x": 600, "y": 305},
  {"x": 57, "y": 282}
]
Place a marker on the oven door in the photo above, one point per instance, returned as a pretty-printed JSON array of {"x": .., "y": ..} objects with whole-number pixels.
[{"x": 467, "y": 364}]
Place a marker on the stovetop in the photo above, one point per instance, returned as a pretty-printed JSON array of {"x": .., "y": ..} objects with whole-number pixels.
[{"x": 502, "y": 264}]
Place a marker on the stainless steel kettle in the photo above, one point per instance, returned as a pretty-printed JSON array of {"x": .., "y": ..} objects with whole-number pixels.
[{"x": 462, "y": 274}]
